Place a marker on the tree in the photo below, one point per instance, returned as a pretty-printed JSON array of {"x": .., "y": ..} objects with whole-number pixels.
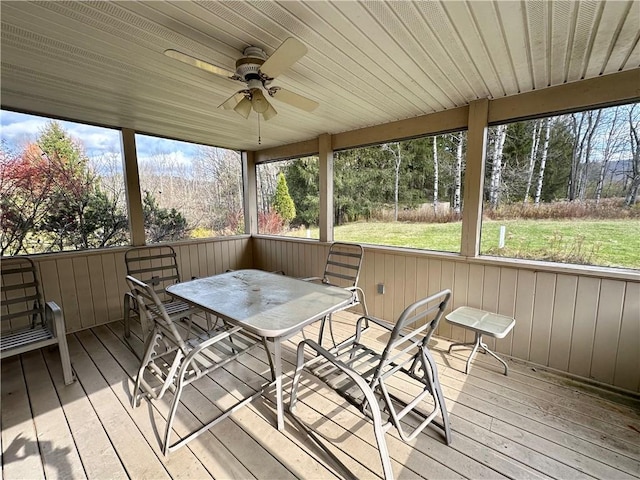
[
  {"x": 457, "y": 182},
  {"x": 496, "y": 165},
  {"x": 535, "y": 141},
  {"x": 25, "y": 187},
  {"x": 584, "y": 125},
  {"x": 543, "y": 160},
  {"x": 634, "y": 174},
  {"x": 397, "y": 156},
  {"x": 162, "y": 224},
  {"x": 611, "y": 145},
  {"x": 361, "y": 183},
  {"x": 80, "y": 215},
  {"x": 52, "y": 199},
  {"x": 303, "y": 179},
  {"x": 435, "y": 174},
  {"x": 282, "y": 202}
]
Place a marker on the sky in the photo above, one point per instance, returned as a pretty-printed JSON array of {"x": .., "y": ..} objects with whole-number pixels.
[{"x": 16, "y": 129}]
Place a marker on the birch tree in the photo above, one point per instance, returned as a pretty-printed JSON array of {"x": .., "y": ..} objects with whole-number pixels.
[
  {"x": 397, "y": 155},
  {"x": 435, "y": 175},
  {"x": 457, "y": 175},
  {"x": 535, "y": 140},
  {"x": 496, "y": 170},
  {"x": 543, "y": 159},
  {"x": 577, "y": 123}
]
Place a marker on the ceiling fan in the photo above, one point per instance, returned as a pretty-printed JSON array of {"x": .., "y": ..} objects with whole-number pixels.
[{"x": 257, "y": 71}]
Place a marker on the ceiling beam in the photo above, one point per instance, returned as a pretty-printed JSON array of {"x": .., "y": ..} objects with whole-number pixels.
[
  {"x": 618, "y": 88},
  {"x": 623, "y": 87}
]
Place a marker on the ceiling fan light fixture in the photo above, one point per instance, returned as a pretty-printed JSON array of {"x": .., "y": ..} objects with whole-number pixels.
[
  {"x": 269, "y": 113},
  {"x": 259, "y": 103},
  {"x": 243, "y": 107}
]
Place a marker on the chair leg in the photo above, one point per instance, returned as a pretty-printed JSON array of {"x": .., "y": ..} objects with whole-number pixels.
[
  {"x": 172, "y": 413},
  {"x": 210, "y": 325},
  {"x": 67, "y": 371},
  {"x": 55, "y": 318},
  {"x": 370, "y": 399},
  {"x": 127, "y": 311},
  {"x": 431, "y": 364},
  {"x": 151, "y": 342},
  {"x": 296, "y": 377},
  {"x": 189, "y": 325}
]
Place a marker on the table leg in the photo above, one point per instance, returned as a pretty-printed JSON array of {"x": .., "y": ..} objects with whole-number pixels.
[
  {"x": 277, "y": 353},
  {"x": 486, "y": 349},
  {"x": 475, "y": 344},
  {"x": 473, "y": 352}
]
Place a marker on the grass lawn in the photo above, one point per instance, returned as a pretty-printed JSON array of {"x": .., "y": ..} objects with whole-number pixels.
[{"x": 613, "y": 243}]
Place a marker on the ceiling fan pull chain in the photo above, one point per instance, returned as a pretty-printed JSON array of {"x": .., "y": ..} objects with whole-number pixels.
[{"x": 259, "y": 139}]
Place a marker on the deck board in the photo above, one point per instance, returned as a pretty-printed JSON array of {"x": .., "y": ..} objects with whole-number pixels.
[
  {"x": 20, "y": 451},
  {"x": 57, "y": 448},
  {"x": 96, "y": 451},
  {"x": 530, "y": 424}
]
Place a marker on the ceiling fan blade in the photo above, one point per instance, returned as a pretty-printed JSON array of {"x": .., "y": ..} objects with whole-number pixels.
[
  {"x": 232, "y": 101},
  {"x": 201, "y": 64},
  {"x": 243, "y": 107},
  {"x": 286, "y": 55},
  {"x": 294, "y": 99},
  {"x": 269, "y": 113}
]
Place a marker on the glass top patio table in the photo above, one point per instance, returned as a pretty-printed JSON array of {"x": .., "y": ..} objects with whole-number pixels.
[{"x": 267, "y": 304}]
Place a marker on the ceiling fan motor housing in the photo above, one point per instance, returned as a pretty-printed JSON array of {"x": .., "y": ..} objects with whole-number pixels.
[{"x": 248, "y": 67}]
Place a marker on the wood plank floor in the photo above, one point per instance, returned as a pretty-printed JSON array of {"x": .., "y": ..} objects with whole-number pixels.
[{"x": 531, "y": 424}]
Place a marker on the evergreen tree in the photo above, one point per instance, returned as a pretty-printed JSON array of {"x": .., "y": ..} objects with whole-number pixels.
[
  {"x": 282, "y": 201},
  {"x": 303, "y": 180},
  {"x": 162, "y": 224}
]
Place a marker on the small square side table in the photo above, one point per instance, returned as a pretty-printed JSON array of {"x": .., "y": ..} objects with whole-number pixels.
[{"x": 482, "y": 323}]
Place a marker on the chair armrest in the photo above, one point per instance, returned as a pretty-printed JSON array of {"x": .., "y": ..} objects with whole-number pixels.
[
  {"x": 326, "y": 354},
  {"x": 311, "y": 279},
  {"x": 370, "y": 399},
  {"x": 210, "y": 341},
  {"x": 382, "y": 323},
  {"x": 54, "y": 318},
  {"x": 191, "y": 356}
]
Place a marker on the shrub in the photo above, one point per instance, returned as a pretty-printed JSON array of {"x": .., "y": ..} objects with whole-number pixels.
[
  {"x": 270, "y": 223},
  {"x": 609, "y": 208}
]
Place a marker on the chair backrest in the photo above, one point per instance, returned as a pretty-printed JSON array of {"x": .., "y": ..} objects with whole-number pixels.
[
  {"x": 156, "y": 266},
  {"x": 22, "y": 304},
  {"x": 152, "y": 307},
  {"x": 413, "y": 329},
  {"x": 344, "y": 262}
]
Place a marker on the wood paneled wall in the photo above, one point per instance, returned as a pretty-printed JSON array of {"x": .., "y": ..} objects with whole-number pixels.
[
  {"x": 581, "y": 324},
  {"x": 89, "y": 286}
]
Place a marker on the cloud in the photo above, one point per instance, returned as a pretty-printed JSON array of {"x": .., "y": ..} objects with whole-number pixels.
[
  {"x": 16, "y": 129},
  {"x": 174, "y": 158},
  {"x": 148, "y": 147}
]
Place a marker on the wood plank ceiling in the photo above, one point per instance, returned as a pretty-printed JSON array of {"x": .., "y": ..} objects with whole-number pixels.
[{"x": 368, "y": 62}]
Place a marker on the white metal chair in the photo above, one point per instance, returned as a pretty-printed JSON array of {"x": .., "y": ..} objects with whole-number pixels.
[
  {"x": 28, "y": 323},
  {"x": 342, "y": 269},
  {"x": 156, "y": 266},
  {"x": 170, "y": 363},
  {"x": 372, "y": 380}
]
